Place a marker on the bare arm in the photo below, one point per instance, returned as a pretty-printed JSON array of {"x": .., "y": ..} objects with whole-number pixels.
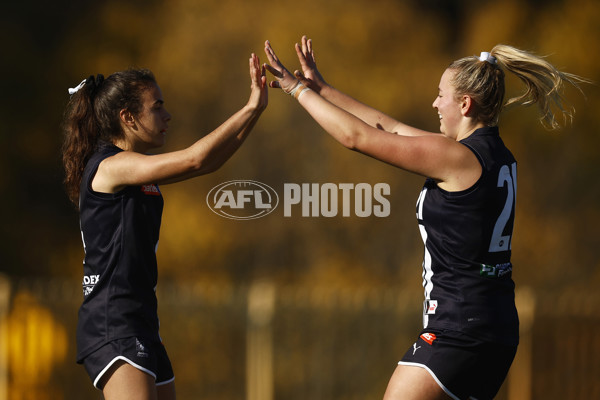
[
  {"x": 430, "y": 155},
  {"x": 312, "y": 78},
  {"x": 129, "y": 168},
  {"x": 427, "y": 154}
]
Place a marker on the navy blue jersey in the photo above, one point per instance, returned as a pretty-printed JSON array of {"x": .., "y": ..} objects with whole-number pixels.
[
  {"x": 120, "y": 235},
  {"x": 467, "y": 272}
]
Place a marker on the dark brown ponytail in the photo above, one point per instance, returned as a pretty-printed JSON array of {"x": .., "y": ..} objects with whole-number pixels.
[{"x": 92, "y": 115}]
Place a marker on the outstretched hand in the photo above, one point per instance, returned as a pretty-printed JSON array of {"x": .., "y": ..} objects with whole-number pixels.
[
  {"x": 284, "y": 79},
  {"x": 258, "y": 85},
  {"x": 309, "y": 75}
]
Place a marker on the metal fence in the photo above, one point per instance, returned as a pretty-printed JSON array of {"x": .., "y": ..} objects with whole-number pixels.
[{"x": 267, "y": 342}]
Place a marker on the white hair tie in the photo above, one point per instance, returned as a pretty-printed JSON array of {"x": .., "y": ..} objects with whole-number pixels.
[
  {"x": 485, "y": 56},
  {"x": 74, "y": 90}
]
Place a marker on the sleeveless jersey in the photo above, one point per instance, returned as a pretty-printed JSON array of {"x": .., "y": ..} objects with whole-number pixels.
[
  {"x": 120, "y": 235},
  {"x": 467, "y": 272}
]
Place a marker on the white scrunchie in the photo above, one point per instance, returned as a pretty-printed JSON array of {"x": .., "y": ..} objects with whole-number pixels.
[
  {"x": 485, "y": 56},
  {"x": 74, "y": 90}
]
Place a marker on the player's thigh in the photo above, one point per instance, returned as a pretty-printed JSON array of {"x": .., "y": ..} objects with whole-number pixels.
[
  {"x": 413, "y": 383},
  {"x": 166, "y": 391},
  {"x": 125, "y": 382}
]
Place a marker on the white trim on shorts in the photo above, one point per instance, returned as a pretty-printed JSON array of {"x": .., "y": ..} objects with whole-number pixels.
[
  {"x": 444, "y": 388},
  {"x": 128, "y": 361},
  {"x": 165, "y": 382}
]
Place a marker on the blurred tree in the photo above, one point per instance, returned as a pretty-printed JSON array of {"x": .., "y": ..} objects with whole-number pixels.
[
  {"x": 39, "y": 68},
  {"x": 388, "y": 54}
]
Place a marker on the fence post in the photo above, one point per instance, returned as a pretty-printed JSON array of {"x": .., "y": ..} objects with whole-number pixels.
[
  {"x": 259, "y": 349},
  {"x": 521, "y": 374},
  {"x": 4, "y": 310}
]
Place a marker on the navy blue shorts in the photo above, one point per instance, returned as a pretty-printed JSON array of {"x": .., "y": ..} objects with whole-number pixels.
[
  {"x": 463, "y": 366},
  {"x": 147, "y": 356}
]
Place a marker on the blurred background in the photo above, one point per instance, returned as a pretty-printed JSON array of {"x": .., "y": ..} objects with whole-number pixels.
[{"x": 292, "y": 307}]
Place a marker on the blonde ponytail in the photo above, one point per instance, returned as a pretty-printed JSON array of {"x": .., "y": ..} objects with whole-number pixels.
[
  {"x": 483, "y": 80},
  {"x": 544, "y": 84}
]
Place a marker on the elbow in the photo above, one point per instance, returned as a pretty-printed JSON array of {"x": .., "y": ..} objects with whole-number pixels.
[
  {"x": 350, "y": 144},
  {"x": 352, "y": 133},
  {"x": 206, "y": 161},
  {"x": 204, "y": 166},
  {"x": 198, "y": 165},
  {"x": 210, "y": 168},
  {"x": 350, "y": 139},
  {"x": 210, "y": 163}
]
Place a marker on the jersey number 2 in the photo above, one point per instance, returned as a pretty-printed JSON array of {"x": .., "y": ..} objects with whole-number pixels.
[{"x": 508, "y": 177}]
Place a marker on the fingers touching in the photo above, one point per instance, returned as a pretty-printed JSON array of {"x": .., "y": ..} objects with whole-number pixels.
[
  {"x": 283, "y": 78},
  {"x": 257, "y": 72},
  {"x": 308, "y": 74},
  {"x": 258, "y": 83}
]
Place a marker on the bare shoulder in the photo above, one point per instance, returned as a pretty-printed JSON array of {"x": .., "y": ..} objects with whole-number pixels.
[
  {"x": 453, "y": 165},
  {"x": 111, "y": 173},
  {"x": 465, "y": 169}
]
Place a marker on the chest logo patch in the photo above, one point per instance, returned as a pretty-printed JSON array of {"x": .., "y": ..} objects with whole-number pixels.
[
  {"x": 151, "y": 190},
  {"x": 430, "y": 306},
  {"x": 428, "y": 338}
]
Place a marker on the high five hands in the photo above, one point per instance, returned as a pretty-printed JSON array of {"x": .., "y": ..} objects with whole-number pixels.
[{"x": 309, "y": 76}]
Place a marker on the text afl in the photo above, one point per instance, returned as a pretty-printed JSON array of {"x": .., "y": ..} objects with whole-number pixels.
[
  {"x": 242, "y": 199},
  {"x": 248, "y": 199}
]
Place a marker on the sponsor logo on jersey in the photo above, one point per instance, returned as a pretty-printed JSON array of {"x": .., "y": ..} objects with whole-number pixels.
[
  {"x": 431, "y": 306},
  {"x": 428, "y": 338},
  {"x": 89, "y": 281},
  {"x": 151, "y": 190},
  {"x": 495, "y": 271},
  {"x": 415, "y": 348}
]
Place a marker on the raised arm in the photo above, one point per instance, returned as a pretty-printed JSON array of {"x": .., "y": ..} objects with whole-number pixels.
[
  {"x": 130, "y": 168},
  {"x": 427, "y": 154},
  {"x": 312, "y": 78}
]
